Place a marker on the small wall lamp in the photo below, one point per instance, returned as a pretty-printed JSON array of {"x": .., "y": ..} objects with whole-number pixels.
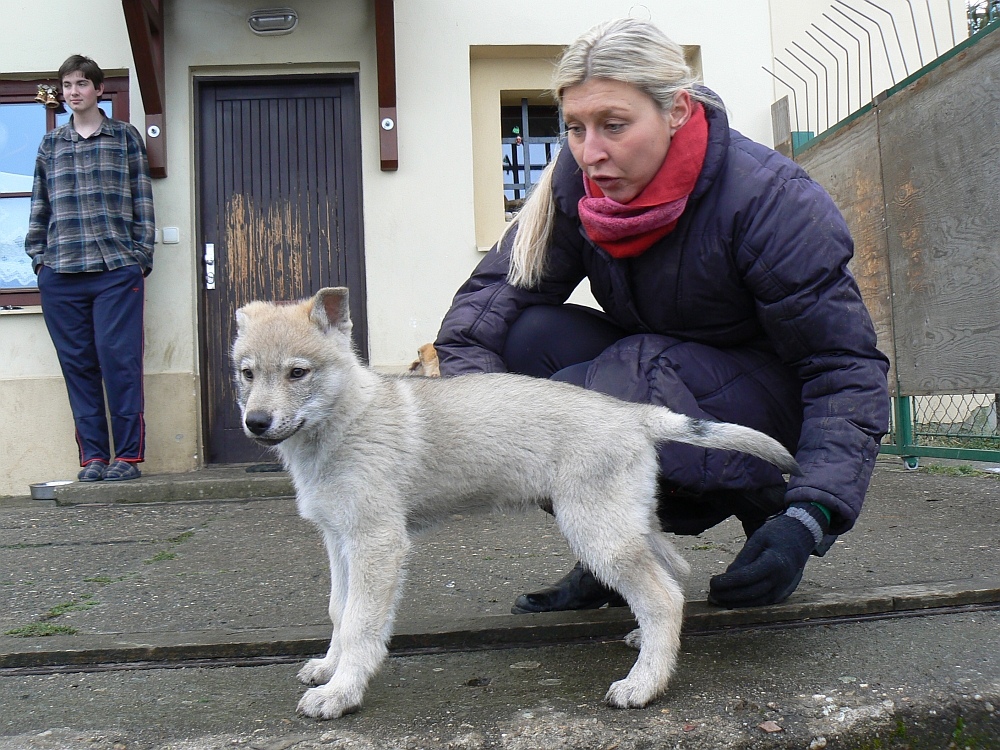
[{"x": 273, "y": 21}]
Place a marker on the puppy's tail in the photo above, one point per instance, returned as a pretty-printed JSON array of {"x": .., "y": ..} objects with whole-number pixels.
[{"x": 665, "y": 425}]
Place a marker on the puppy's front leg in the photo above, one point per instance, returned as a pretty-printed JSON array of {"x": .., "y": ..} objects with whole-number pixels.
[
  {"x": 375, "y": 575},
  {"x": 319, "y": 671}
]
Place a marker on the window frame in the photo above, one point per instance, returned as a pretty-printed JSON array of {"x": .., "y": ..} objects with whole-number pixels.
[
  {"x": 116, "y": 91},
  {"x": 551, "y": 143}
]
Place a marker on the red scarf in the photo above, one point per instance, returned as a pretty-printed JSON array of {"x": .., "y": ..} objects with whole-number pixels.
[{"x": 626, "y": 230}]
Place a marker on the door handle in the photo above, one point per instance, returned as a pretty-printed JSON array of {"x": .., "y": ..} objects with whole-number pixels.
[{"x": 210, "y": 265}]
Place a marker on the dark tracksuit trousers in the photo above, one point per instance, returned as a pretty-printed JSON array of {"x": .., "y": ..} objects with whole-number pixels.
[
  {"x": 96, "y": 324},
  {"x": 560, "y": 342}
]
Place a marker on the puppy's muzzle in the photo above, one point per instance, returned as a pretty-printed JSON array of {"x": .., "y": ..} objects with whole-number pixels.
[
  {"x": 264, "y": 429},
  {"x": 258, "y": 422}
]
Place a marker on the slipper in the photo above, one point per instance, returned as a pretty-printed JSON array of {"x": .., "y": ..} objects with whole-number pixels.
[
  {"x": 93, "y": 471},
  {"x": 119, "y": 471}
]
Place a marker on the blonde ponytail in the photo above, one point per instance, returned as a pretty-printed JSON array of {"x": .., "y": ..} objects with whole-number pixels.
[{"x": 533, "y": 226}]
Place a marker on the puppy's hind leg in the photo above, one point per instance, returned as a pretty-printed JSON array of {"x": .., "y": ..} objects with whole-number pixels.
[
  {"x": 656, "y": 598},
  {"x": 610, "y": 523},
  {"x": 676, "y": 565},
  {"x": 319, "y": 671}
]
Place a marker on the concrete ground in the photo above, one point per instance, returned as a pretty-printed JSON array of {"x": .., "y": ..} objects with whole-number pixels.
[{"x": 180, "y": 623}]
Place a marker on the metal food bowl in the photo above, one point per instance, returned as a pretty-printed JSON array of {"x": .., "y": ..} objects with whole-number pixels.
[{"x": 47, "y": 490}]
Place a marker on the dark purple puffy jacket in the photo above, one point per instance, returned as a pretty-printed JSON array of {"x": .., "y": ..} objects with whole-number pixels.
[{"x": 757, "y": 262}]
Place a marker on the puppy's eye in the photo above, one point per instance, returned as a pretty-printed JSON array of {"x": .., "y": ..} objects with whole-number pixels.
[
  {"x": 247, "y": 373},
  {"x": 297, "y": 373}
]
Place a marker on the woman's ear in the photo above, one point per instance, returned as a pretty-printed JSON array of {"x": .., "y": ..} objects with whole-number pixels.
[{"x": 680, "y": 112}]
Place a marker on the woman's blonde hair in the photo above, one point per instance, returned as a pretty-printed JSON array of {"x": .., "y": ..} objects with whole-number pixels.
[{"x": 627, "y": 50}]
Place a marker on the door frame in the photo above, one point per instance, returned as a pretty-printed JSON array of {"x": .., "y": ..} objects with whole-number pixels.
[{"x": 360, "y": 329}]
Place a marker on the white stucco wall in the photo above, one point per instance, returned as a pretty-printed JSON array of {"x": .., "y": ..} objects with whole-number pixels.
[{"x": 420, "y": 241}]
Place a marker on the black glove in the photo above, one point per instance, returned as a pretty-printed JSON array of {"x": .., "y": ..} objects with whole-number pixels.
[{"x": 770, "y": 565}]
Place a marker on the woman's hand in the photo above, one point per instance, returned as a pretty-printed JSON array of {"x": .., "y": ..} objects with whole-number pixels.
[{"x": 770, "y": 566}]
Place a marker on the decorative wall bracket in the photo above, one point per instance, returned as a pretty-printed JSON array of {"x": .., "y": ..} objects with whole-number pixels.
[
  {"x": 144, "y": 20},
  {"x": 385, "y": 54}
]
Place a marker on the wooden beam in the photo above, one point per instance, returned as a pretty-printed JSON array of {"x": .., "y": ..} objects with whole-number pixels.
[
  {"x": 147, "y": 51},
  {"x": 154, "y": 12},
  {"x": 385, "y": 56},
  {"x": 144, "y": 21}
]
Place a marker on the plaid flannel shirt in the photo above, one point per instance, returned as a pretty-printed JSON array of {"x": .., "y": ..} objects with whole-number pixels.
[{"x": 92, "y": 201}]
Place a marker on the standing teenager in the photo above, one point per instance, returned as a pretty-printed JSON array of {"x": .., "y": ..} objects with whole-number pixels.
[
  {"x": 721, "y": 271},
  {"x": 90, "y": 239}
]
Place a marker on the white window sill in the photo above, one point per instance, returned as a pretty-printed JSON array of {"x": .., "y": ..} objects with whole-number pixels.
[{"x": 25, "y": 310}]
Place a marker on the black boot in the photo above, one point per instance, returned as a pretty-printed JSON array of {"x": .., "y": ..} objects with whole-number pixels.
[{"x": 578, "y": 589}]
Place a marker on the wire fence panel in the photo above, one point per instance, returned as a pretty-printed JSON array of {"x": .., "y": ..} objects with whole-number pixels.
[
  {"x": 945, "y": 426},
  {"x": 968, "y": 421}
]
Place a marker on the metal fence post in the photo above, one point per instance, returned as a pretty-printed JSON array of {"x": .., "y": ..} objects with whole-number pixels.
[{"x": 904, "y": 431}]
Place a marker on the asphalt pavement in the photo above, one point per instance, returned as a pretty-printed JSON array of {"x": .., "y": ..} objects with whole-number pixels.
[{"x": 173, "y": 611}]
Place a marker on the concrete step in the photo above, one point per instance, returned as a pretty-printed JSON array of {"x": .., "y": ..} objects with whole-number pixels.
[{"x": 217, "y": 483}]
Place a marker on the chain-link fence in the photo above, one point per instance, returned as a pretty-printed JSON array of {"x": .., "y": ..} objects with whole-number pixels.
[{"x": 954, "y": 426}]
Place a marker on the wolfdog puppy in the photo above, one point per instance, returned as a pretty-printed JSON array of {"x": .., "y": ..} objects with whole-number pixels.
[{"x": 376, "y": 458}]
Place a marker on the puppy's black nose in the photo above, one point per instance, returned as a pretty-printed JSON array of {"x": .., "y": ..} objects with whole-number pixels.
[{"x": 258, "y": 422}]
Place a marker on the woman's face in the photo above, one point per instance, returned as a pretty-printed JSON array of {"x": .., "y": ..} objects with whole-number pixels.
[{"x": 618, "y": 135}]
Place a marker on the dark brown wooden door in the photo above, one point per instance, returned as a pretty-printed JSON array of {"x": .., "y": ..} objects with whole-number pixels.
[{"x": 280, "y": 199}]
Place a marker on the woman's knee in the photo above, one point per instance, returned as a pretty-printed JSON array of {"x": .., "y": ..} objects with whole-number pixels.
[{"x": 548, "y": 338}]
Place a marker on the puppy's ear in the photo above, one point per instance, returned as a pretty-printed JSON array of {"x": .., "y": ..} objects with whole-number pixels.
[
  {"x": 330, "y": 309},
  {"x": 241, "y": 320}
]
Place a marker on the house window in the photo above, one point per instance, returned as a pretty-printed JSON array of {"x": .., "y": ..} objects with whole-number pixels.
[
  {"x": 23, "y": 122},
  {"x": 531, "y": 138},
  {"x": 501, "y": 76}
]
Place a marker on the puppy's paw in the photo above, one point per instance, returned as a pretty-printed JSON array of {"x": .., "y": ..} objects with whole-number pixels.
[
  {"x": 634, "y": 639},
  {"x": 317, "y": 671},
  {"x": 630, "y": 693},
  {"x": 323, "y": 703}
]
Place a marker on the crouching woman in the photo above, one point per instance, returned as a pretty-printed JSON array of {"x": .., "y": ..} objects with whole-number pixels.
[{"x": 721, "y": 271}]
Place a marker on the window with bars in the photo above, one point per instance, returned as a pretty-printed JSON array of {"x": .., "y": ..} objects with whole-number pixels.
[
  {"x": 531, "y": 138},
  {"x": 23, "y": 122}
]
